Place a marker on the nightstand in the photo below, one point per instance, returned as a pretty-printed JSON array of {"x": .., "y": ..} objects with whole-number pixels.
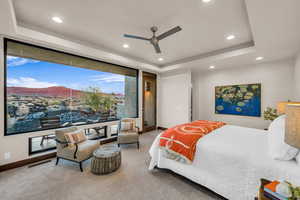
[{"x": 261, "y": 196}]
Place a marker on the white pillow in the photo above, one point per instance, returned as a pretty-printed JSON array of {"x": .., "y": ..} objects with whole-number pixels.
[
  {"x": 298, "y": 158},
  {"x": 278, "y": 149}
]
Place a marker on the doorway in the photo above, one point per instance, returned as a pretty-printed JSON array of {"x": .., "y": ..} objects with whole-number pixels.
[{"x": 149, "y": 101}]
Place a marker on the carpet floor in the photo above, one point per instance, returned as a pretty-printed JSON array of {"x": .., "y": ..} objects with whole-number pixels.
[{"x": 132, "y": 181}]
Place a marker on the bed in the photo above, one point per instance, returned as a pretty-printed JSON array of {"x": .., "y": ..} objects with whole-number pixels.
[{"x": 230, "y": 161}]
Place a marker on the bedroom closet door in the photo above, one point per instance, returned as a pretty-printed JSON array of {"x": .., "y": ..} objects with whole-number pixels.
[{"x": 149, "y": 101}]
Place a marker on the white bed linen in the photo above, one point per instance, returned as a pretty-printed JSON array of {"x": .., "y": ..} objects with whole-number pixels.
[{"x": 230, "y": 161}]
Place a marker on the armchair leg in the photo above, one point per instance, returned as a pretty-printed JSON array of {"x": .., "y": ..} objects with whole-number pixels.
[
  {"x": 57, "y": 159},
  {"x": 80, "y": 166},
  {"x": 138, "y": 145}
]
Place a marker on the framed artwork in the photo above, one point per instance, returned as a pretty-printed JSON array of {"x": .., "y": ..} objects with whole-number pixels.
[{"x": 244, "y": 100}]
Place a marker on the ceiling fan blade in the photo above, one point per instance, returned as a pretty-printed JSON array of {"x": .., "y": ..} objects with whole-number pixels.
[
  {"x": 157, "y": 48},
  {"x": 170, "y": 32},
  {"x": 136, "y": 37}
]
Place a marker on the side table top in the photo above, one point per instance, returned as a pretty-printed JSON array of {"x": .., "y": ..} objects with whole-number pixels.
[{"x": 107, "y": 151}]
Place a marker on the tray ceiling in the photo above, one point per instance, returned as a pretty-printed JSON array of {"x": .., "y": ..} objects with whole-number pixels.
[{"x": 101, "y": 24}]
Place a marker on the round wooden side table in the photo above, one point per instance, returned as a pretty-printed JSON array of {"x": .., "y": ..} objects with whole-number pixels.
[{"x": 106, "y": 159}]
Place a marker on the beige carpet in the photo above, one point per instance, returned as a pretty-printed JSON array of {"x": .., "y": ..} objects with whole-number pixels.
[{"x": 131, "y": 182}]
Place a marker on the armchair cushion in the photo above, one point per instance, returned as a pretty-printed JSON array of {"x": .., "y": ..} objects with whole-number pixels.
[
  {"x": 85, "y": 150},
  {"x": 128, "y": 137},
  {"x": 69, "y": 138},
  {"x": 78, "y": 136},
  {"x": 75, "y": 137},
  {"x": 60, "y": 134},
  {"x": 128, "y": 131},
  {"x": 126, "y": 126}
]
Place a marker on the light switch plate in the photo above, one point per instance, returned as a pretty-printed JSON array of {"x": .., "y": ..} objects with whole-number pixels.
[{"x": 7, "y": 155}]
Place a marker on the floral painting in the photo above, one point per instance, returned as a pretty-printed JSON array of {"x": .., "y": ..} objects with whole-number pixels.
[{"x": 242, "y": 100}]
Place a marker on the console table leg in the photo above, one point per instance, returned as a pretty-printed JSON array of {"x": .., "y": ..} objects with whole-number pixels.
[
  {"x": 80, "y": 166},
  {"x": 57, "y": 159}
]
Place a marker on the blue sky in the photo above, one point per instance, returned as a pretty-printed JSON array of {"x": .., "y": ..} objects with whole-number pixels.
[{"x": 23, "y": 72}]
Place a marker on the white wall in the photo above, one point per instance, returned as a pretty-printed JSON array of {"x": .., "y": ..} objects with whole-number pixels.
[
  {"x": 277, "y": 79},
  {"x": 174, "y": 99},
  {"x": 297, "y": 78}
]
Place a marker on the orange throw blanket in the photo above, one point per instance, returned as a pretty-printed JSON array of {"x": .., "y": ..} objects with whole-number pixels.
[{"x": 180, "y": 141}]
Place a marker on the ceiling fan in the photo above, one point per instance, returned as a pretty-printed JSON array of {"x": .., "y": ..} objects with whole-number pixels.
[{"x": 155, "y": 39}]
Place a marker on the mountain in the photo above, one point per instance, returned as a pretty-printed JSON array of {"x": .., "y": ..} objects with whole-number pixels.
[{"x": 56, "y": 91}]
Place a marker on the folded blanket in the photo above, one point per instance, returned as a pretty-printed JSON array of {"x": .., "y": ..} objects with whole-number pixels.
[{"x": 179, "y": 142}]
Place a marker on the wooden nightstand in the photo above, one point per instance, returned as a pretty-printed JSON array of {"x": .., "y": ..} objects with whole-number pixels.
[{"x": 261, "y": 196}]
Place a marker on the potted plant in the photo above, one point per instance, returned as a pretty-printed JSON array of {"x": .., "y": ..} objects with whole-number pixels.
[
  {"x": 295, "y": 191},
  {"x": 270, "y": 114}
]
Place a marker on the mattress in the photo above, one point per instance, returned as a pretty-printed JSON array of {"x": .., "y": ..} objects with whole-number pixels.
[{"x": 230, "y": 161}]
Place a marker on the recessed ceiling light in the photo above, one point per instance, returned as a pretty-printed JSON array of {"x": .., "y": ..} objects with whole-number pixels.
[
  {"x": 160, "y": 59},
  {"x": 206, "y": 1},
  {"x": 126, "y": 46},
  {"x": 230, "y": 37},
  {"x": 212, "y": 67},
  {"x": 259, "y": 58},
  {"x": 57, "y": 20}
]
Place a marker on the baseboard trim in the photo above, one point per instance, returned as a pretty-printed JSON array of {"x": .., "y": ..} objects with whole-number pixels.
[
  {"x": 161, "y": 128},
  {"x": 39, "y": 163},
  {"x": 28, "y": 161}
]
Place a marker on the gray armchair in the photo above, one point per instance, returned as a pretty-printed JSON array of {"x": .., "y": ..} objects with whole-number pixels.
[
  {"x": 129, "y": 134},
  {"x": 76, "y": 153}
]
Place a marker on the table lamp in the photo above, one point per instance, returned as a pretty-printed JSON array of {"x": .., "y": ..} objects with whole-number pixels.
[
  {"x": 292, "y": 125},
  {"x": 282, "y": 105}
]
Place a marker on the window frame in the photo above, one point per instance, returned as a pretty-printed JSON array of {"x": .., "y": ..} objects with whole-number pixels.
[
  {"x": 5, "y": 40},
  {"x": 30, "y": 152}
]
